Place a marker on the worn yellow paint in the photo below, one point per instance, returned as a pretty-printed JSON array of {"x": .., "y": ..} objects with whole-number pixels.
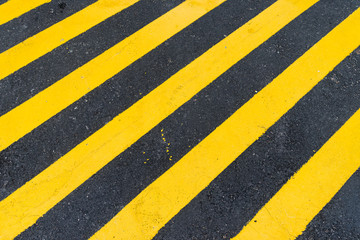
[
  {"x": 22, "y": 208},
  {"x": 27, "y": 116},
  {"x": 15, "y": 8},
  {"x": 58, "y": 34},
  {"x": 286, "y": 215},
  {"x": 161, "y": 200}
]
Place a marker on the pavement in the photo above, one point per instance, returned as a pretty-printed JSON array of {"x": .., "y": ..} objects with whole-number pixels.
[{"x": 179, "y": 119}]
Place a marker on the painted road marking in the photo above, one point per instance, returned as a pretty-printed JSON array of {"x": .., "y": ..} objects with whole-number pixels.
[
  {"x": 39, "y": 195},
  {"x": 287, "y": 214},
  {"x": 58, "y": 34},
  {"x": 147, "y": 213},
  {"x": 15, "y": 8},
  {"x": 32, "y": 113}
]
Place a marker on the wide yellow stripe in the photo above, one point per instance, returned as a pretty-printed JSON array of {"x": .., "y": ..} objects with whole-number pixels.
[
  {"x": 29, "y": 115},
  {"x": 58, "y": 34},
  {"x": 52, "y": 185},
  {"x": 161, "y": 200},
  {"x": 15, "y": 8},
  {"x": 31, "y": 201},
  {"x": 286, "y": 215}
]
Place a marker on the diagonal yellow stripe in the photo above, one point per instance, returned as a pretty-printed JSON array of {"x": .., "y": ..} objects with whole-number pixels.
[
  {"x": 29, "y": 115},
  {"x": 22, "y": 208},
  {"x": 286, "y": 215},
  {"x": 15, "y": 8},
  {"x": 58, "y": 34},
  {"x": 164, "y": 198}
]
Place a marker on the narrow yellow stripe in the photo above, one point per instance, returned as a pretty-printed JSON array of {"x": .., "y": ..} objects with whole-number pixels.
[
  {"x": 286, "y": 215},
  {"x": 22, "y": 208},
  {"x": 58, "y": 34},
  {"x": 29, "y": 115},
  {"x": 15, "y": 8},
  {"x": 161, "y": 200}
]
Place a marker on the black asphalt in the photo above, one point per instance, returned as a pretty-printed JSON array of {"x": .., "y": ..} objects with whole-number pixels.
[
  {"x": 38, "y": 19},
  {"x": 340, "y": 218},
  {"x": 234, "y": 197}
]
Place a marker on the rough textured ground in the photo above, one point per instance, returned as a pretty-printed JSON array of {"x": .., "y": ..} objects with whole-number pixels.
[{"x": 222, "y": 209}]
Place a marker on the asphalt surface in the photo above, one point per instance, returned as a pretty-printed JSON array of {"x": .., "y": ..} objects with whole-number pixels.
[{"x": 223, "y": 208}]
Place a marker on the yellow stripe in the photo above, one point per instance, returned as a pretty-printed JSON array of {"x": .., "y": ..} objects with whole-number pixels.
[
  {"x": 286, "y": 215},
  {"x": 28, "y": 203},
  {"x": 161, "y": 200},
  {"x": 29, "y": 115},
  {"x": 86, "y": 159},
  {"x": 15, "y": 8},
  {"x": 58, "y": 34}
]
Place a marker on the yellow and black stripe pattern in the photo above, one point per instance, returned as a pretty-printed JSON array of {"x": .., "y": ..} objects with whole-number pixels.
[{"x": 121, "y": 119}]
